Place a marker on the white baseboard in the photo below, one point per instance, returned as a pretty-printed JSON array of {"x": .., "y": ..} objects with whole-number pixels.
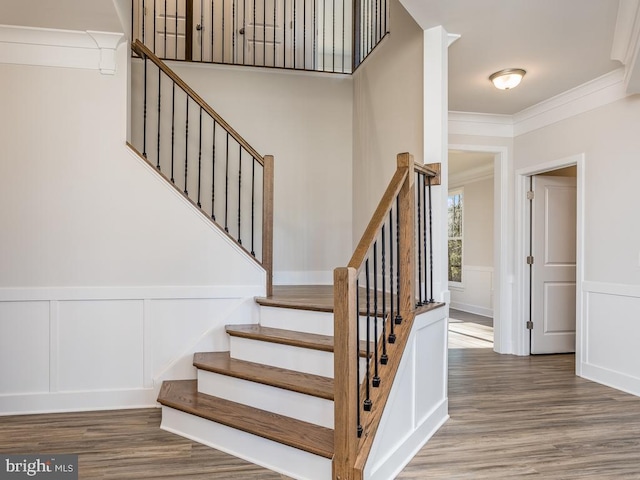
[
  {"x": 21, "y": 404},
  {"x": 463, "y": 307},
  {"x": 612, "y": 379}
]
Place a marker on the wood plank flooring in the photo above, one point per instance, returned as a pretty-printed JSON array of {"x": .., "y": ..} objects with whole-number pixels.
[{"x": 511, "y": 417}]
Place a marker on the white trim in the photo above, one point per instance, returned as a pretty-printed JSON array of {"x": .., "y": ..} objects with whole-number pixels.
[
  {"x": 521, "y": 336},
  {"x": 27, "y": 294},
  {"x": 483, "y": 124},
  {"x": 502, "y": 294},
  {"x": 626, "y": 43},
  {"x": 295, "y": 277},
  {"x": 59, "y": 48},
  {"x": 593, "y": 94},
  {"x": 20, "y": 404},
  {"x": 610, "y": 378}
]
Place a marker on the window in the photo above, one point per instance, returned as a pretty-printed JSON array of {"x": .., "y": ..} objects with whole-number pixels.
[{"x": 454, "y": 207}]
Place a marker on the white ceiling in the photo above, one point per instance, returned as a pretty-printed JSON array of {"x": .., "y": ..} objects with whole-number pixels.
[{"x": 560, "y": 43}]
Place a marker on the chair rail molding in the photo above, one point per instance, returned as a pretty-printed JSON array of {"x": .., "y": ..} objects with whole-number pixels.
[{"x": 47, "y": 47}]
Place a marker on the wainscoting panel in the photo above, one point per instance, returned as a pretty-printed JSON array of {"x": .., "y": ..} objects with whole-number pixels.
[
  {"x": 24, "y": 347},
  {"x": 418, "y": 404},
  {"x": 611, "y": 333},
  {"x": 73, "y": 349}
]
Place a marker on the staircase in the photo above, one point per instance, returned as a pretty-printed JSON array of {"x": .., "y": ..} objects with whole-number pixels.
[{"x": 269, "y": 399}]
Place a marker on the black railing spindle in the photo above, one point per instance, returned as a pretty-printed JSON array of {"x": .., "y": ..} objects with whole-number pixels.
[
  {"x": 226, "y": 188},
  {"x": 424, "y": 236},
  {"x": 213, "y": 173},
  {"x": 186, "y": 149},
  {"x": 418, "y": 242},
  {"x": 199, "y": 157},
  {"x": 431, "y": 300},
  {"x": 384, "y": 358},
  {"x": 392, "y": 334},
  {"x": 398, "y": 317},
  {"x": 367, "y": 401},
  {"x": 376, "y": 377},
  {"x": 239, "y": 193}
]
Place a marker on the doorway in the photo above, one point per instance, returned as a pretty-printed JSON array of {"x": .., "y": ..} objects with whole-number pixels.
[{"x": 551, "y": 261}]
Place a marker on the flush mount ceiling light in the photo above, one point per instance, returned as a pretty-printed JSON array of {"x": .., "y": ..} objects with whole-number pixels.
[{"x": 508, "y": 78}]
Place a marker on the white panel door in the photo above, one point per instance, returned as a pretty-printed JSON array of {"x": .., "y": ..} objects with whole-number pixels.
[
  {"x": 553, "y": 292},
  {"x": 166, "y": 23},
  {"x": 263, "y": 33}
]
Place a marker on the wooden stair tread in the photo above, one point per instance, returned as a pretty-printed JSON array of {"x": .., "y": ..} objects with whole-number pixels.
[
  {"x": 287, "y": 337},
  {"x": 222, "y": 363},
  {"x": 183, "y": 395}
]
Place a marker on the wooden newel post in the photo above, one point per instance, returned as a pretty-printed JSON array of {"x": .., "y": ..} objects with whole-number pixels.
[
  {"x": 407, "y": 237},
  {"x": 346, "y": 383},
  {"x": 267, "y": 221}
]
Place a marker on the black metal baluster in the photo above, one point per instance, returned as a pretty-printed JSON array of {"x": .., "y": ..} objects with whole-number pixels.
[
  {"x": 155, "y": 30},
  {"x": 254, "y": 32},
  {"x": 376, "y": 377},
  {"x": 418, "y": 243},
  {"x": 359, "y": 428},
  {"x": 226, "y": 188},
  {"x": 333, "y": 36},
  {"x": 253, "y": 202},
  {"x": 274, "y": 34},
  {"x": 398, "y": 319},
  {"x": 264, "y": 32},
  {"x": 213, "y": 173},
  {"x": 175, "y": 55},
  {"x": 233, "y": 32},
  {"x": 324, "y": 34},
  {"x": 173, "y": 127},
  {"x": 431, "y": 300},
  {"x": 186, "y": 149},
  {"x": 202, "y": 31},
  {"x": 304, "y": 34},
  {"x": 294, "y": 34},
  {"x": 213, "y": 50},
  {"x": 343, "y": 34},
  {"x": 384, "y": 357},
  {"x": 367, "y": 401},
  {"x": 392, "y": 334},
  {"x": 144, "y": 114},
  {"x": 165, "y": 30},
  {"x": 244, "y": 29},
  {"x": 239, "y": 192},
  {"x": 159, "y": 110},
  {"x": 315, "y": 37},
  {"x": 200, "y": 157},
  {"x": 223, "y": 35},
  {"x": 424, "y": 233}
]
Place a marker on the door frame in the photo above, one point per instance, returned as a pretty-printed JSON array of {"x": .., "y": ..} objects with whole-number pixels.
[
  {"x": 521, "y": 336},
  {"x": 502, "y": 326}
]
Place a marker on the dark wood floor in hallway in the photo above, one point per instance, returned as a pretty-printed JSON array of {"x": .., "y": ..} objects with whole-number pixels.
[{"x": 511, "y": 417}]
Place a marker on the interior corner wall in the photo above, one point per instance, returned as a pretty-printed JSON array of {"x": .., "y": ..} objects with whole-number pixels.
[
  {"x": 608, "y": 138},
  {"x": 304, "y": 120},
  {"x": 387, "y": 112}
]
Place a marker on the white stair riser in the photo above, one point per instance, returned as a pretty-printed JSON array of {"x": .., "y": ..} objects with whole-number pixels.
[
  {"x": 286, "y": 460},
  {"x": 304, "y": 360},
  {"x": 308, "y": 321},
  {"x": 277, "y": 400},
  {"x": 283, "y": 356}
]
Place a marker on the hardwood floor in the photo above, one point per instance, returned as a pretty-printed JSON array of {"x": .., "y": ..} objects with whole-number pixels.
[{"x": 467, "y": 330}]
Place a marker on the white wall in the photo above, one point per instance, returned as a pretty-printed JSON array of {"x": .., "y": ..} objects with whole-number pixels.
[
  {"x": 305, "y": 121},
  {"x": 109, "y": 279},
  {"x": 608, "y": 138},
  {"x": 387, "y": 113},
  {"x": 475, "y": 295}
]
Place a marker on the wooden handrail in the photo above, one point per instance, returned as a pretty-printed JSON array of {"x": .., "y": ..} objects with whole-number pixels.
[
  {"x": 267, "y": 221},
  {"x": 351, "y": 452},
  {"x": 377, "y": 219},
  {"x": 142, "y": 50}
]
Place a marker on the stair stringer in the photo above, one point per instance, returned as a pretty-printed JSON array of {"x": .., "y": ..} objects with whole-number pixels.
[
  {"x": 418, "y": 404},
  {"x": 214, "y": 339}
]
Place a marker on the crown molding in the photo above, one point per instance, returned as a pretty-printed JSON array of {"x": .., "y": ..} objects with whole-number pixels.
[
  {"x": 59, "y": 48},
  {"x": 482, "y": 124},
  {"x": 626, "y": 43},
  {"x": 598, "y": 92}
]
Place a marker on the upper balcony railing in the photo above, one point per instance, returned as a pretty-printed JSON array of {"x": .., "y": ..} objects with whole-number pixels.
[{"x": 317, "y": 35}]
